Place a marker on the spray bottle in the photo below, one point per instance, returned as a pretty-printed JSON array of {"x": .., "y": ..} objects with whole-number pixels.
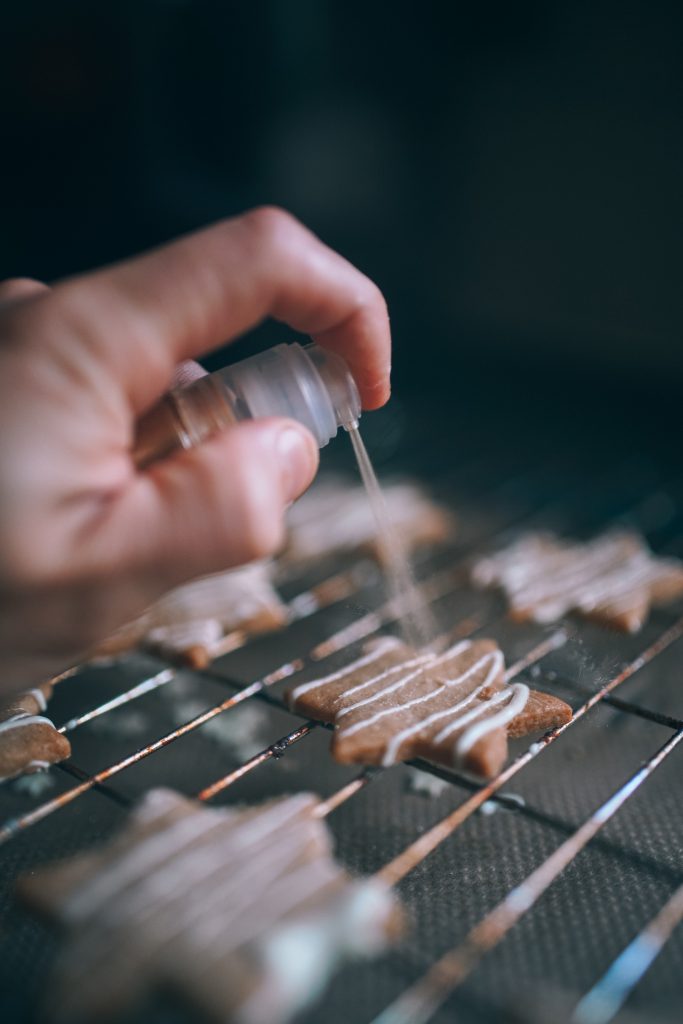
[{"x": 305, "y": 383}]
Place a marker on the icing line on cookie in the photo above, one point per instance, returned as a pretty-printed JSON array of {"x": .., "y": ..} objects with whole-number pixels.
[
  {"x": 494, "y": 656},
  {"x": 425, "y": 661},
  {"x": 391, "y": 753},
  {"x": 24, "y": 719},
  {"x": 39, "y": 698},
  {"x": 150, "y": 853},
  {"x": 514, "y": 707},
  {"x": 493, "y": 671},
  {"x": 422, "y": 663},
  {"x": 421, "y": 660},
  {"x": 387, "y": 644},
  {"x": 241, "y": 856},
  {"x": 247, "y": 866},
  {"x": 546, "y": 577}
]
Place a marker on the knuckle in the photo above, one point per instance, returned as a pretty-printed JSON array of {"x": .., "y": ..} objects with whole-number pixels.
[
  {"x": 83, "y": 309},
  {"x": 47, "y": 328},
  {"x": 373, "y": 299},
  {"x": 51, "y": 316},
  {"x": 96, "y": 313},
  {"x": 272, "y": 225}
]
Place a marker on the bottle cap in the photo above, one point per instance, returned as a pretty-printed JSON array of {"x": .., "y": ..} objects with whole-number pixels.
[{"x": 310, "y": 385}]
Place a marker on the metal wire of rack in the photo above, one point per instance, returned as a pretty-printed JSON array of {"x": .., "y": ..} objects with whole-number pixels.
[{"x": 442, "y": 577}]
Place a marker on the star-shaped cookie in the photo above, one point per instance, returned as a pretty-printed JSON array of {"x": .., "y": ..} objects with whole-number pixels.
[
  {"x": 613, "y": 579},
  {"x": 242, "y": 913},
  {"x": 335, "y": 517},
  {"x": 29, "y": 741},
  {"x": 188, "y": 624},
  {"x": 393, "y": 704}
]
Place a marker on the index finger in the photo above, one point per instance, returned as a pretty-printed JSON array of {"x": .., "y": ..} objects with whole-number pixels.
[{"x": 180, "y": 301}]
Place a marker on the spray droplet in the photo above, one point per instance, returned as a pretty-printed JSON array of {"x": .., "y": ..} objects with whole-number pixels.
[{"x": 413, "y": 614}]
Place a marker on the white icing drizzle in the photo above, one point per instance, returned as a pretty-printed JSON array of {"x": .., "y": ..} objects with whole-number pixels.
[
  {"x": 39, "y": 698},
  {"x": 149, "y": 854},
  {"x": 335, "y": 514},
  {"x": 496, "y": 667},
  {"x": 548, "y": 577},
  {"x": 199, "y": 613},
  {"x": 465, "y": 716},
  {"x": 397, "y": 709},
  {"x": 403, "y": 681},
  {"x": 227, "y": 872},
  {"x": 146, "y": 856},
  {"x": 230, "y": 597},
  {"x": 225, "y": 885},
  {"x": 422, "y": 659},
  {"x": 22, "y": 719},
  {"x": 302, "y": 954},
  {"x": 236, "y": 887},
  {"x": 618, "y": 586},
  {"x": 286, "y": 888},
  {"x": 496, "y": 659},
  {"x": 430, "y": 661},
  {"x": 386, "y": 644},
  {"x": 397, "y": 741},
  {"x": 182, "y": 635},
  {"x": 518, "y": 695}
]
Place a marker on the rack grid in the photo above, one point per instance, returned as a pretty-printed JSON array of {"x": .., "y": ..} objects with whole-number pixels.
[{"x": 334, "y": 613}]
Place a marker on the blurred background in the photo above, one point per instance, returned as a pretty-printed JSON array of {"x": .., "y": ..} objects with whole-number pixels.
[{"x": 509, "y": 173}]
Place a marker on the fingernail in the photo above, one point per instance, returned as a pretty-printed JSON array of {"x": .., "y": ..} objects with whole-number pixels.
[{"x": 299, "y": 456}]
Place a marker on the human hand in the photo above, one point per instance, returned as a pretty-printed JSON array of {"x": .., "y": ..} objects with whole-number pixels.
[{"x": 86, "y": 540}]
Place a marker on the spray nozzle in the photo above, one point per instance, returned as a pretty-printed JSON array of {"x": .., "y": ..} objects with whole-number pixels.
[
  {"x": 340, "y": 385},
  {"x": 308, "y": 384}
]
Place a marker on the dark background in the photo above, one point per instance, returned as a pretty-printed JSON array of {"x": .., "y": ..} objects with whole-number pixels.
[{"x": 509, "y": 173}]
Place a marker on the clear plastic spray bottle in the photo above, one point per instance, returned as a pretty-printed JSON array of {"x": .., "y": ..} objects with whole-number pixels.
[{"x": 305, "y": 383}]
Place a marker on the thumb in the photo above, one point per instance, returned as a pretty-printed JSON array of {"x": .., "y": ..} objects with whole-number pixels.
[{"x": 216, "y": 506}]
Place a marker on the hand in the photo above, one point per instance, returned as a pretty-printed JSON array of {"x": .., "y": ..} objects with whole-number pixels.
[{"x": 86, "y": 541}]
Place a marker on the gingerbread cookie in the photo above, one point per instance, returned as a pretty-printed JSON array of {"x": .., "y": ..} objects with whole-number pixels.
[
  {"x": 335, "y": 516},
  {"x": 29, "y": 741},
  {"x": 189, "y": 624},
  {"x": 613, "y": 579},
  {"x": 454, "y": 708},
  {"x": 243, "y": 913}
]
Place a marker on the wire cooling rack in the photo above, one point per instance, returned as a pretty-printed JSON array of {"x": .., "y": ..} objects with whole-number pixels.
[{"x": 557, "y": 899}]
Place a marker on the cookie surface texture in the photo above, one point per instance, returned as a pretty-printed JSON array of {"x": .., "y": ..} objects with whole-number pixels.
[
  {"x": 455, "y": 709},
  {"x": 242, "y": 913},
  {"x": 613, "y": 579},
  {"x": 189, "y": 624},
  {"x": 335, "y": 516}
]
